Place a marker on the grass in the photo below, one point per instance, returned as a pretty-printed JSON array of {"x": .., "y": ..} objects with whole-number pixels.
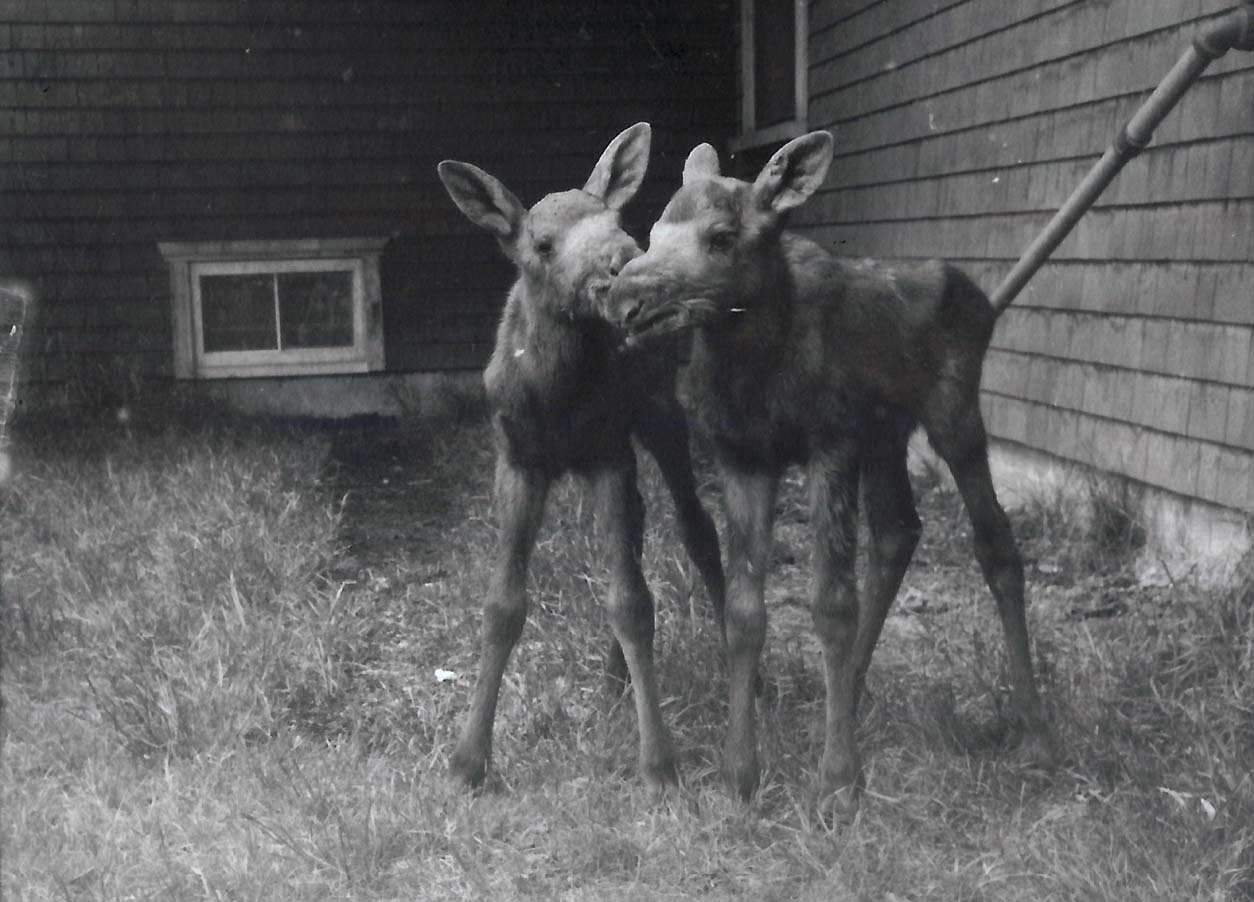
[{"x": 219, "y": 682}]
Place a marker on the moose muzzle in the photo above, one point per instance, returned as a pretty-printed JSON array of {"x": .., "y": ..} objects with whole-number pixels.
[{"x": 640, "y": 305}]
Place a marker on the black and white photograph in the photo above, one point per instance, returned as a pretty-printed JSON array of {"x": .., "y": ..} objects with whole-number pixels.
[{"x": 773, "y": 450}]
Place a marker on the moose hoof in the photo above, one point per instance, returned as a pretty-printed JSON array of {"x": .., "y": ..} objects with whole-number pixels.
[
  {"x": 741, "y": 775},
  {"x": 839, "y": 805},
  {"x": 468, "y": 768},
  {"x": 1038, "y": 749},
  {"x": 840, "y": 787},
  {"x": 659, "y": 776}
]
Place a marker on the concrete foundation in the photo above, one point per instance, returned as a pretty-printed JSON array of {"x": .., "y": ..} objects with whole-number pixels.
[
  {"x": 1185, "y": 538},
  {"x": 423, "y": 395}
]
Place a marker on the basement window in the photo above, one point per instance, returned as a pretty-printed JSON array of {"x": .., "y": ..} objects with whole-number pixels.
[
  {"x": 276, "y": 308},
  {"x": 773, "y": 72}
]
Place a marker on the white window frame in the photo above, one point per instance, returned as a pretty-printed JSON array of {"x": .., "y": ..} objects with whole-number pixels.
[
  {"x": 750, "y": 135},
  {"x": 189, "y": 261}
]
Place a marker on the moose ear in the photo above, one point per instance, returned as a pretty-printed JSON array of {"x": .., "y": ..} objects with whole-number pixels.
[
  {"x": 794, "y": 172},
  {"x": 701, "y": 163},
  {"x": 620, "y": 170},
  {"x": 485, "y": 201}
]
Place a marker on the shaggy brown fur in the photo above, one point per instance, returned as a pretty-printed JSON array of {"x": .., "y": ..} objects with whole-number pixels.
[
  {"x": 566, "y": 400},
  {"x": 799, "y": 357}
]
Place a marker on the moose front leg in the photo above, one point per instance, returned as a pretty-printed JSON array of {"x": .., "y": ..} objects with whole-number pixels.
[
  {"x": 630, "y": 609},
  {"x": 749, "y": 498},
  {"x": 520, "y": 496},
  {"x": 834, "y": 499}
]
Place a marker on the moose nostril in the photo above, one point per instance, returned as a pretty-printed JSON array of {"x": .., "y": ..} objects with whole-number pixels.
[
  {"x": 621, "y": 258},
  {"x": 631, "y": 311}
]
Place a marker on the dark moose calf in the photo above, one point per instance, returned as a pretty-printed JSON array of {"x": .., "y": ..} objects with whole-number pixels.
[
  {"x": 565, "y": 399},
  {"x": 799, "y": 357}
]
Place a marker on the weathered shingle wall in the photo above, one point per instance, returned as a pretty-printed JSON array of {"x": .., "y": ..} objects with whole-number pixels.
[
  {"x": 128, "y": 122},
  {"x": 962, "y": 126}
]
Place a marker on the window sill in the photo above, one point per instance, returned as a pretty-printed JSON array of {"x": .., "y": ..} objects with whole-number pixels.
[{"x": 265, "y": 370}]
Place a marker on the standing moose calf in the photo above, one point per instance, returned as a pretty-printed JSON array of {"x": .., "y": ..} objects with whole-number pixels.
[
  {"x": 799, "y": 357},
  {"x": 566, "y": 400}
]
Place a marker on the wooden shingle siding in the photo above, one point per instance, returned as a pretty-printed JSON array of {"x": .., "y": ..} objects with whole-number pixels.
[
  {"x": 128, "y": 122},
  {"x": 962, "y": 125}
]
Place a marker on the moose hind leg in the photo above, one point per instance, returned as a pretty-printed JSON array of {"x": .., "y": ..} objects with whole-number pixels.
[
  {"x": 1000, "y": 560},
  {"x": 630, "y": 607},
  {"x": 631, "y": 516},
  {"x": 520, "y": 497},
  {"x": 894, "y": 528},
  {"x": 665, "y": 437}
]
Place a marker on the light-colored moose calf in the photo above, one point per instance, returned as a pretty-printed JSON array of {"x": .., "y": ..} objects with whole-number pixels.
[
  {"x": 565, "y": 399},
  {"x": 799, "y": 357}
]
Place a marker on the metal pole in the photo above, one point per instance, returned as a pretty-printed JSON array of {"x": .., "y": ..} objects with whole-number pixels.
[{"x": 1236, "y": 29}]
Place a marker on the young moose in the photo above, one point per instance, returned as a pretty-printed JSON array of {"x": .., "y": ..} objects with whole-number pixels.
[
  {"x": 566, "y": 400},
  {"x": 802, "y": 358}
]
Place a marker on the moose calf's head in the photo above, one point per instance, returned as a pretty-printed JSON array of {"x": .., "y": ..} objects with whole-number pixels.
[
  {"x": 570, "y": 245},
  {"x": 711, "y": 254}
]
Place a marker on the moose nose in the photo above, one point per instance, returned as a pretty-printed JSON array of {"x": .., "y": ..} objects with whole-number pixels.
[
  {"x": 621, "y": 257},
  {"x": 629, "y": 311},
  {"x": 630, "y": 292},
  {"x": 627, "y": 304}
]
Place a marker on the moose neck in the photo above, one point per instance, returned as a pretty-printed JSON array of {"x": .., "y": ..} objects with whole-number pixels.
[
  {"x": 540, "y": 315},
  {"x": 546, "y": 342}
]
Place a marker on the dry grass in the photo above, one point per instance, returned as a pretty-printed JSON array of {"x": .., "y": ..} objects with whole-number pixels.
[{"x": 208, "y": 695}]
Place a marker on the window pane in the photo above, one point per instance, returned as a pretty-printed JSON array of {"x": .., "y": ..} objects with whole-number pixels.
[
  {"x": 316, "y": 309},
  {"x": 237, "y": 313},
  {"x": 774, "y": 62}
]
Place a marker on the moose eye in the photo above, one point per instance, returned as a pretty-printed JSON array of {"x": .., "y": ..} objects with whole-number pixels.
[
  {"x": 544, "y": 247},
  {"x": 722, "y": 241}
]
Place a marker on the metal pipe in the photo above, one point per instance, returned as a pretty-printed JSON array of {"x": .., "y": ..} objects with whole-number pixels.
[{"x": 1234, "y": 30}]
